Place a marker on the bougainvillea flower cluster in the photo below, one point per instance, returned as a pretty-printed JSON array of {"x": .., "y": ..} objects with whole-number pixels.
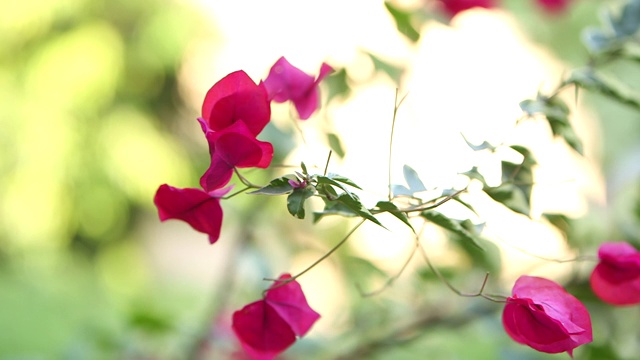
[
  {"x": 616, "y": 278},
  {"x": 286, "y": 82},
  {"x": 542, "y": 315},
  {"x": 234, "y": 112},
  {"x": 269, "y": 326}
]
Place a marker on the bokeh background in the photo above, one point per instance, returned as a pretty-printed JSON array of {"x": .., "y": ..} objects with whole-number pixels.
[{"x": 99, "y": 101}]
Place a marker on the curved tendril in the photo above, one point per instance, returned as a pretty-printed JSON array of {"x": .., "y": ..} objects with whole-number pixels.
[
  {"x": 390, "y": 280},
  {"x": 333, "y": 249}
]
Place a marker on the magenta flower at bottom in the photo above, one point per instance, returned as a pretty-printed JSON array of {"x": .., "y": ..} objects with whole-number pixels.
[
  {"x": 269, "y": 326},
  {"x": 616, "y": 278},
  {"x": 542, "y": 315},
  {"x": 196, "y": 207}
]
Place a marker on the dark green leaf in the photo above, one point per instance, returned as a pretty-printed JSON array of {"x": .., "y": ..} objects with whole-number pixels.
[
  {"x": 452, "y": 225},
  {"x": 510, "y": 196},
  {"x": 403, "y": 21},
  {"x": 304, "y": 169},
  {"x": 557, "y": 114},
  {"x": 335, "y": 144},
  {"x": 627, "y": 24},
  {"x": 295, "y": 201},
  {"x": 334, "y": 208},
  {"x": 352, "y": 202},
  {"x": 279, "y": 186},
  {"x": 337, "y": 180},
  {"x": 392, "y": 209}
]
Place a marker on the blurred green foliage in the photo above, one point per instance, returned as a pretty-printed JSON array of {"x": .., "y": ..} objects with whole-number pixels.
[{"x": 89, "y": 129}]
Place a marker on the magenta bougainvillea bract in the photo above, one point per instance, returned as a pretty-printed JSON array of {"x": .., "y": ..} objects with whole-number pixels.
[{"x": 616, "y": 278}]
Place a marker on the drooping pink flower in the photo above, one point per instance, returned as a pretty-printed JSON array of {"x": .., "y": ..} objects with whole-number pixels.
[
  {"x": 236, "y": 98},
  {"x": 453, "y": 7},
  {"x": 286, "y": 82},
  {"x": 230, "y": 148},
  {"x": 616, "y": 278},
  {"x": 553, "y": 6},
  {"x": 269, "y": 326},
  {"x": 196, "y": 207},
  {"x": 542, "y": 315}
]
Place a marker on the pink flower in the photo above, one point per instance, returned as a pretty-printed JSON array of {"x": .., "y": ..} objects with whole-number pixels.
[
  {"x": 453, "y": 7},
  {"x": 196, "y": 207},
  {"x": 269, "y": 326},
  {"x": 233, "y": 147},
  {"x": 616, "y": 278},
  {"x": 286, "y": 82},
  {"x": 236, "y": 98},
  {"x": 542, "y": 315},
  {"x": 553, "y": 6}
]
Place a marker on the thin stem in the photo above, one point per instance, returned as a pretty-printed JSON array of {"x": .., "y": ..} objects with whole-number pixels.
[
  {"x": 245, "y": 180},
  {"x": 429, "y": 207},
  {"x": 392, "y": 279},
  {"x": 326, "y": 166},
  {"x": 322, "y": 258},
  {"x": 479, "y": 293},
  {"x": 396, "y": 106},
  {"x": 236, "y": 193}
]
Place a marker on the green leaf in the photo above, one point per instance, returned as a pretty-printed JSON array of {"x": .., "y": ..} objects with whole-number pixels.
[
  {"x": 557, "y": 114},
  {"x": 352, "y": 202},
  {"x": 335, "y": 144},
  {"x": 475, "y": 174},
  {"x": 304, "y": 169},
  {"x": 510, "y": 196},
  {"x": 597, "y": 41},
  {"x": 391, "y": 208},
  {"x": 454, "y": 226},
  {"x": 591, "y": 80},
  {"x": 333, "y": 208},
  {"x": 403, "y": 20},
  {"x": 337, "y": 180},
  {"x": 394, "y": 72},
  {"x": 413, "y": 179},
  {"x": 295, "y": 201},
  {"x": 627, "y": 24},
  {"x": 338, "y": 84},
  {"x": 279, "y": 186}
]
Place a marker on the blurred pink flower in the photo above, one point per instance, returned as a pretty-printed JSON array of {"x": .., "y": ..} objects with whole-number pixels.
[
  {"x": 196, "y": 207},
  {"x": 233, "y": 147},
  {"x": 269, "y": 326},
  {"x": 235, "y": 98},
  {"x": 286, "y": 82},
  {"x": 553, "y": 6},
  {"x": 453, "y": 7},
  {"x": 616, "y": 278},
  {"x": 542, "y": 315}
]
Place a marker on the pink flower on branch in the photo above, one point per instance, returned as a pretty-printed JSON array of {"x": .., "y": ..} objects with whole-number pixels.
[
  {"x": 196, "y": 207},
  {"x": 286, "y": 82},
  {"x": 453, "y": 7},
  {"x": 235, "y": 98},
  {"x": 542, "y": 315},
  {"x": 233, "y": 147},
  {"x": 616, "y": 278},
  {"x": 269, "y": 326}
]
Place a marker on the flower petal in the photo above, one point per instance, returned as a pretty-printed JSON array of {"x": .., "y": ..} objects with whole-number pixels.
[
  {"x": 196, "y": 207},
  {"x": 236, "y": 98},
  {"x": 616, "y": 278},
  {"x": 289, "y": 301},
  {"x": 261, "y": 330}
]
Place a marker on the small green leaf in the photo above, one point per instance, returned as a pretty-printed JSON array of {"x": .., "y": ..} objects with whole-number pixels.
[
  {"x": 304, "y": 168},
  {"x": 475, "y": 174},
  {"x": 391, "y": 208},
  {"x": 333, "y": 208},
  {"x": 352, "y": 202},
  {"x": 295, "y": 201},
  {"x": 403, "y": 21},
  {"x": 510, "y": 196},
  {"x": 335, "y": 144},
  {"x": 338, "y": 84},
  {"x": 337, "y": 180},
  {"x": 557, "y": 114},
  {"x": 279, "y": 186},
  {"x": 454, "y": 226},
  {"x": 627, "y": 24},
  {"x": 413, "y": 179},
  {"x": 393, "y": 71},
  {"x": 591, "y": 80}
]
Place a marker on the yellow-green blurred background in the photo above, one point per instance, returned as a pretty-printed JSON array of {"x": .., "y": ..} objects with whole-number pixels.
[{"x": 98, "y": 107}]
